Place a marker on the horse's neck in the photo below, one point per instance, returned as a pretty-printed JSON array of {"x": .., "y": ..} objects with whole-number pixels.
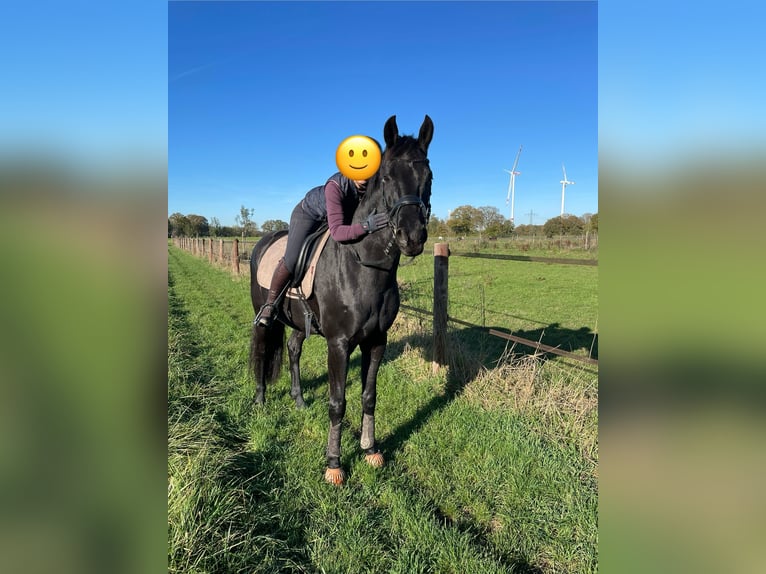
[{"x": 377, "y": 251}]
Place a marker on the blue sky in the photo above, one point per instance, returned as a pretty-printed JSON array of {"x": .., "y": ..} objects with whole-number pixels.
[
  {"x": 84, "y": 82},
  {"x": 260, "y": 94},
  {"x": 680, "y": 80}
]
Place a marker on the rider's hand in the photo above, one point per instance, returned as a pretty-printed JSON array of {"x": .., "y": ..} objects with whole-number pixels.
[{"x": 375, "y": 221}]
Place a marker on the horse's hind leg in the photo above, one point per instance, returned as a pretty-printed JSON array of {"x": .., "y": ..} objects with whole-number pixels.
[
  {"x": 294, "y": 349},
  {"x": 257, "y": 362}
]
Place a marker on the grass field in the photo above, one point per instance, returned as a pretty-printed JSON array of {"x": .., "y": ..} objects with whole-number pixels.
[
  {"x": 550, "y": 303},
  {"x": 488, "y": 470}
]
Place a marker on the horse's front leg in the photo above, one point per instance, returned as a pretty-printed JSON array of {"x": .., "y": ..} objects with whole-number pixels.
[
  {"x": 294, "y": 349},
  {"x": 337, "y": 370},
  {"x": 372, "y": 355}
]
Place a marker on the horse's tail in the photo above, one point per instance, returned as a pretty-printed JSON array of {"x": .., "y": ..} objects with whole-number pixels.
[{"x": 267, "y": 346}]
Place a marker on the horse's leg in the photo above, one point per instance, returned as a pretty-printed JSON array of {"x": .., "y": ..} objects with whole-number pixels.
[
  {"x": 337, "y": 370},
  {"x": 257, "y": 359},
  {"x": 372, "y": 354},
  {"x": 294, "y": 348}
]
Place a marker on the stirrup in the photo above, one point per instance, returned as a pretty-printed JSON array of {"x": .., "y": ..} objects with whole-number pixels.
[{"x": 266, "y": 320}]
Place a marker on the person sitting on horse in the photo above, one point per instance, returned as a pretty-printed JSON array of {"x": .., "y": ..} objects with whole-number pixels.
[{"x": 333, "y": 202}]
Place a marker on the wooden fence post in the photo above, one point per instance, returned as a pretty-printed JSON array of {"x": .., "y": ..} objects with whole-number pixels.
[
  {"x": 235, "y": 255},
  {"x": 220, "y": 251},
  {"x": 441, "y": 288},
  {"x": 210, "y": 253}
]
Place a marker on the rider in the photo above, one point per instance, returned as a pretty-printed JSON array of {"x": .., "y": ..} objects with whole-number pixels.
[{"x": 333, "y": 202}]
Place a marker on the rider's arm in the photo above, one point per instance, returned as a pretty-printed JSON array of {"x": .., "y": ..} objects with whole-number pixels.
[{"x": 339, "y": 230}]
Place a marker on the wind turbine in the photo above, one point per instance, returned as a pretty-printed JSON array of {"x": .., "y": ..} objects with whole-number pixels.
[
  {"x": 564, "y": 182},
  {"x": 512, "y": 182}
]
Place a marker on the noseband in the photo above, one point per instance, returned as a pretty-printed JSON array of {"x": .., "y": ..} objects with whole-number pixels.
[{"x": 404, "y": 201}]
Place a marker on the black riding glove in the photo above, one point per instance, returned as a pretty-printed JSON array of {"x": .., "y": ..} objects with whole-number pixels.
[{"x": 375, "y": 221}]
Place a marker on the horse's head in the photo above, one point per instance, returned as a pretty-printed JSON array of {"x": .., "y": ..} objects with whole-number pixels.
[{"x": 402, "y": 185}]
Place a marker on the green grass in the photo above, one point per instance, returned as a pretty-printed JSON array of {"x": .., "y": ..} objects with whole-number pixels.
[
  {"x": 487, "y": 470},
  {"x": 552, "y": 303}
]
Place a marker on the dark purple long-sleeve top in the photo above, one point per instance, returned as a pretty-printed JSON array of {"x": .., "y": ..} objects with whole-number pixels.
[{"x": 335, "y": 201}]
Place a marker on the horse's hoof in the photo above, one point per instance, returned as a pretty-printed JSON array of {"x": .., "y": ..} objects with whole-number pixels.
[
  {"x": 335, "y": 476},
  {"x": 376, "y": 459}
]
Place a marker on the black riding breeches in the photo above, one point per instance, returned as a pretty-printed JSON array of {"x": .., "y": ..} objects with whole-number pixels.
[{"x": 301, "y": 226}]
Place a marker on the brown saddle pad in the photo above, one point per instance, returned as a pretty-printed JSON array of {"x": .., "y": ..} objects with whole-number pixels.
[{"x": 272, "y": 256}]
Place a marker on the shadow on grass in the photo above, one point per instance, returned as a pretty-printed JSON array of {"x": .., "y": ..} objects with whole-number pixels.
[
  {"x": 565, "y": 339},
  {"x": 473, "y": 350}
]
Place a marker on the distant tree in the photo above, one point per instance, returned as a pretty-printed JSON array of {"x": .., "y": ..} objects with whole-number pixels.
[
  {"x": 245, "y": 222},
  {"x": 179, "y": 225},
  {"x": 465, "y": 220},
  {"x": 215, "y": 227},
  {"x": 274, "y": 225},
  {"x": 437, "y": 227},
  {"x": 593, "y": 223},
  {"x": 528, "y": 230},
  {"x": 563, "y": 225},
  {"x": 493, "y": 223},
  {"x": 198, "y": 225},
  {"x": 507, "y": 228}
]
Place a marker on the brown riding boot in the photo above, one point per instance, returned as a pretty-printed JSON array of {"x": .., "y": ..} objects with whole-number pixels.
[{"x": 277, "y": 289}]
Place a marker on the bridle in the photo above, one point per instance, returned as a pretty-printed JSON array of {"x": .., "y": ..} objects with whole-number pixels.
[
  {"x": 393, "y": 219},
  {"x": 406, "y": 200}
]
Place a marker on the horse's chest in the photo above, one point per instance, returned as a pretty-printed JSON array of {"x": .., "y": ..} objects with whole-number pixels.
[
  {"x": 362, "y": 317},
  {"x": 388, "y": 309}
]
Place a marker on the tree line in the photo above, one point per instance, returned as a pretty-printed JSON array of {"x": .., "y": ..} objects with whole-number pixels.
[
  {"x": 192, "y": 225},
  {"x": 462, "y": 221},
  {"x": 488, "y": 221}
]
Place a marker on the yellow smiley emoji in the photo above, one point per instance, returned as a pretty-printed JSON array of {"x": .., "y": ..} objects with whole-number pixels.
[{"x": 358, "y": 157}]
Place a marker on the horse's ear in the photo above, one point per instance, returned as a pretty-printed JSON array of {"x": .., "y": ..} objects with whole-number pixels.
[
  {"x": 390, "y": 132},
  {"x": 426, "y": 133}
]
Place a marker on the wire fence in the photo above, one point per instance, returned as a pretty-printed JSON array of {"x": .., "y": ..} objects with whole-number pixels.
[
  {"x": 419, "y": 297},
  {"x": 586, "y": 242},
  {"x": 230, "y": 253}
]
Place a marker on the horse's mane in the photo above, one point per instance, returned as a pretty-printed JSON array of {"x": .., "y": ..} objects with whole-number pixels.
[{"x": 405, "y": 147}]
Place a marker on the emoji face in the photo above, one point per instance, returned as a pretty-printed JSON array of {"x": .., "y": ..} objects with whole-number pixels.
[{"x": 358, "y": 157}]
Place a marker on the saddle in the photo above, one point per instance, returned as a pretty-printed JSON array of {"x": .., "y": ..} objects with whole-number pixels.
[{"x": 302, "y": 283}]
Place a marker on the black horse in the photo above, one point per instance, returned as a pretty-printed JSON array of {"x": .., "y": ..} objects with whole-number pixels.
[{"x": 356, "y": 297}]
